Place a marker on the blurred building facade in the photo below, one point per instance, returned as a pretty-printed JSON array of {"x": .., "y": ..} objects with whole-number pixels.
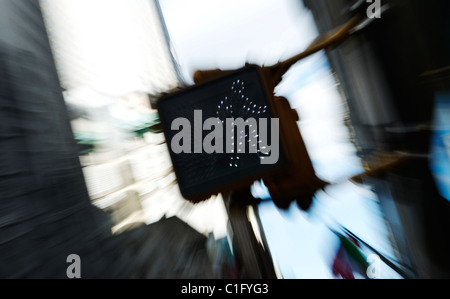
[
  {"x": 390, "y": 74},
  {"x": 47, "y": 211},
  {"x": 113, "y": 47},
  {"x": 112, "y": 58}
]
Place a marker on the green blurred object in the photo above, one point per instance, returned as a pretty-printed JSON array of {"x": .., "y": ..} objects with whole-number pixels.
[
  {"x": 353, "y": 251},
  {"x": 145, "y": 124},
  {"x": 86, "y": 141}
]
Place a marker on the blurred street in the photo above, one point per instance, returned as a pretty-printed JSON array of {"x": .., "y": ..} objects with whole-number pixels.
[{"x": 87, "y": 168}]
